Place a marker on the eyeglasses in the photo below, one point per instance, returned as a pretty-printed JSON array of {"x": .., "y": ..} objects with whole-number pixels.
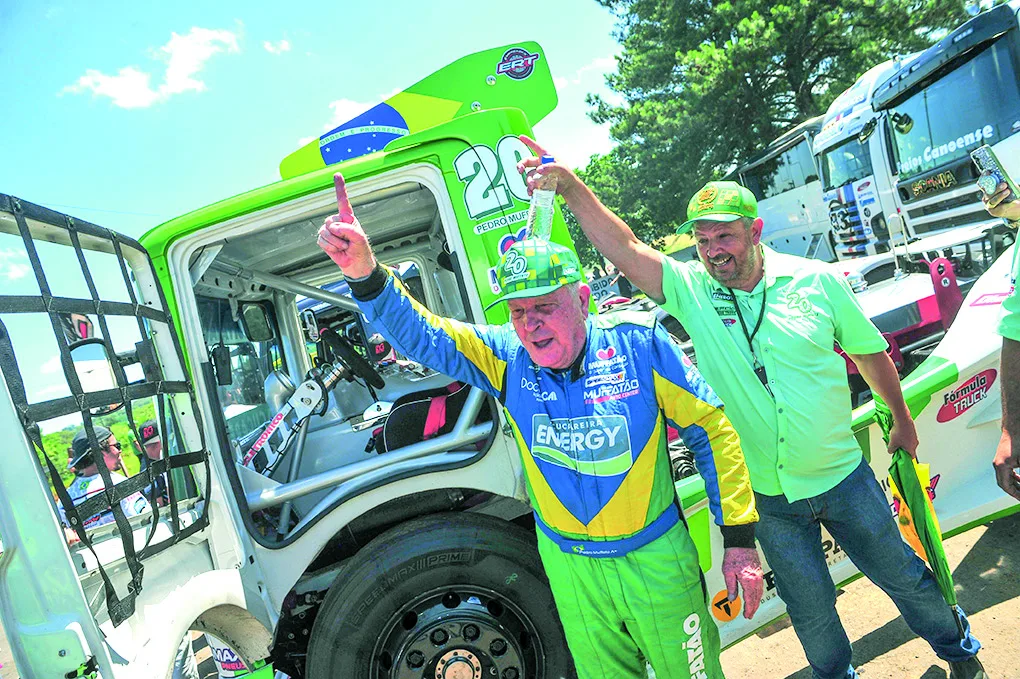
[{"x": 114, "y": 445}]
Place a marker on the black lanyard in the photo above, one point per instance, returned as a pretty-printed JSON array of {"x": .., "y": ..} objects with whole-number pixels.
[
  {"x": 758, "y": 368},
  {"x": 757, "y": 326}
]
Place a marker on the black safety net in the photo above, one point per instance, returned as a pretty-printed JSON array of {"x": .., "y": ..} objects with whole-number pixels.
[{"x": 131, "y": 335}]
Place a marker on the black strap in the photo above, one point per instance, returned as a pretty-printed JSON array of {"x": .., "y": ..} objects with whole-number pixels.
[{"x": 757, "y": 326}]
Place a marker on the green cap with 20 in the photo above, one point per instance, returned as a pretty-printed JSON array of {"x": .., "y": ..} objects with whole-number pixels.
[
  {"x": 533, "y": 267},
  {"x": 720, "y": 202}
]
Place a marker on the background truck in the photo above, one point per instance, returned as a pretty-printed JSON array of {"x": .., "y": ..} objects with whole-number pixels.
[
  {"x": 785, "y": 180},
  {"x": 309, "y": 520},
  {"x": 856, "y": 186},
  {"x": 960, "y": 93}
]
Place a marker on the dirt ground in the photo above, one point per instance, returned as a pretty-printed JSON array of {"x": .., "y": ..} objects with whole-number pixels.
[{"x": 986, "y": 567}]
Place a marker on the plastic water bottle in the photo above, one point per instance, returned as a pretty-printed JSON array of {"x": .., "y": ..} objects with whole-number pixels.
[{"x": 540, "y": 215}]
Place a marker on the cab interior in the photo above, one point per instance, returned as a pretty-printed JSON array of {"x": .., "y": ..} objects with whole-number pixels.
[{"x": 264, "y": 331}]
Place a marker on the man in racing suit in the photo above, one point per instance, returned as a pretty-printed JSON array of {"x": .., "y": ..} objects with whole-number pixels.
[{"x": 588, "y": 400}]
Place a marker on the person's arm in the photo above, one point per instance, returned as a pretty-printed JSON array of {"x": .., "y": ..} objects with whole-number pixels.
[
  {"x": 1007, "y": 455},
  {"x": 473, "y": 354},
  {"x": 691, "y": 405},
  {"x": 866, "y": 347},
  {"x": 879, "y": 372},
  {"x": 639, "y": 262}
]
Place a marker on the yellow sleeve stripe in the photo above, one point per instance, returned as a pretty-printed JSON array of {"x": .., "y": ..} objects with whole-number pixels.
[
  {"x": 680, "y": 405},
  {"x": 465, "y": 339},
  {"x": 736, "y": 497},
  {"x": 732, "y": 480}
]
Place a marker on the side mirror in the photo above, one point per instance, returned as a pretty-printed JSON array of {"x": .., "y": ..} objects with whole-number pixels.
[
  {"x": 95, "y": 371},
  {"x": 256, "y": 323},
  {"x": 867, "y": 130},
  {"x": 901, "y": 122},
  {"x": 220, "y": 355}
]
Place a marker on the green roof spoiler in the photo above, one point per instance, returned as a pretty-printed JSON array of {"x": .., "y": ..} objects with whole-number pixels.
[{"x": 515, "y": 75}]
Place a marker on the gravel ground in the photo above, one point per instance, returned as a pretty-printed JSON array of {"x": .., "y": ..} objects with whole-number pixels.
[{"x": 986, "y": 569}]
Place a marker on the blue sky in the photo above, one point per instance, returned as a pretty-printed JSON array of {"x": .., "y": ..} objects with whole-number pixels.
[{"x": 128, "y": 114}]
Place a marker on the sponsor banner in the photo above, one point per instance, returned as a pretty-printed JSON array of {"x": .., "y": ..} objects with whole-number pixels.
[
  {"x": 597, "y": 446},
  {"x": 966, "y": 396},
  {"x": 605, "y": 287},
  {"x": 723, "y": 609}
]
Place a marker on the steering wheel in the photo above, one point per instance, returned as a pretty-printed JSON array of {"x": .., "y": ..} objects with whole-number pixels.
[{"x": 351, "y": 359}]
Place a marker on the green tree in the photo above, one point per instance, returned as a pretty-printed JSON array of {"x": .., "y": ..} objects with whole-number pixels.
[{"x": 705, "y": 85}]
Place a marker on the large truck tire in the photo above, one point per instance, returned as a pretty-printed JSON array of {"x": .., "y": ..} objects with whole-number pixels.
[{"x": 446, "y": 596}]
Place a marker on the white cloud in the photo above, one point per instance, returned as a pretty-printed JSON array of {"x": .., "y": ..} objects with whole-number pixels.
[
  {"x": 343, "y": 110},
  {"x": 598, "y": 66},
  {"x": 51, "y": 366},
  {"x": 347, "y": 109},
  {"x": 568, "y": 131},
  {"x": 14, "y": 264},
  {"x": 128, "y": 89},
  {"x": 277, "y": 48},
  {"x": 185, "y": 57}
]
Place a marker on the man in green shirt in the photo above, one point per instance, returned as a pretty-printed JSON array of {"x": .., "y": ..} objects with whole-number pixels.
[
  {"x": 1007, "y": 455},
  {"x": 764, "y": 325}
]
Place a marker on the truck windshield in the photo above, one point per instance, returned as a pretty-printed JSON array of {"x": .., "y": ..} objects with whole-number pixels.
[
  {"x": 783, "y": 172},
  {"x": 932, "y": 128},
  {"x": 845, "y": 163}
]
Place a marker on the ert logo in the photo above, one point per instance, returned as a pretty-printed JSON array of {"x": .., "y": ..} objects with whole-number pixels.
[{"x": 517, "y": 63}]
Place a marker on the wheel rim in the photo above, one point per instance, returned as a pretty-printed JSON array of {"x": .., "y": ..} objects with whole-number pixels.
[{"x": 458, "y": 632}]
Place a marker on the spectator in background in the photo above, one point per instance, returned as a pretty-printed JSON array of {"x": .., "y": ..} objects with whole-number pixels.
[
  {"x": 88, "y": 482},
  {"x": 151, "y": 450}
]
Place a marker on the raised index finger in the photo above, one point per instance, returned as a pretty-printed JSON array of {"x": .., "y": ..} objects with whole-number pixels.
[
  {"x": 343, "y": 203},
  {"x": 535, "y": 147}
]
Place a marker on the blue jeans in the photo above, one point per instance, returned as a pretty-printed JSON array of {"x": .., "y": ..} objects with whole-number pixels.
[{"x": 858, "y": 516}]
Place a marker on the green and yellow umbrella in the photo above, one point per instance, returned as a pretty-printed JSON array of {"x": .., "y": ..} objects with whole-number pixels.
[{"x": 915, "y": 513}]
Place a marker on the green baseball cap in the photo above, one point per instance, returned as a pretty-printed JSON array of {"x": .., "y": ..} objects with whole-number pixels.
[
  {"x": 533, "y": 267},
  {"x": 720, "y": 202}
]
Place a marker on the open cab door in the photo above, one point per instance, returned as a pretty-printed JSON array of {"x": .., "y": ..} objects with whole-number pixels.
[{"x": 108, "y": 535}]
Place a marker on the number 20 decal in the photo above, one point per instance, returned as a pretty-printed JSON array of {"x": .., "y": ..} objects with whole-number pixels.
[{"x": 491, "y": 176}]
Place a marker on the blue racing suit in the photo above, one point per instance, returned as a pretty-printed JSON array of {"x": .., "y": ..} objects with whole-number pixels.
[{"x": 593, "y": 446}]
